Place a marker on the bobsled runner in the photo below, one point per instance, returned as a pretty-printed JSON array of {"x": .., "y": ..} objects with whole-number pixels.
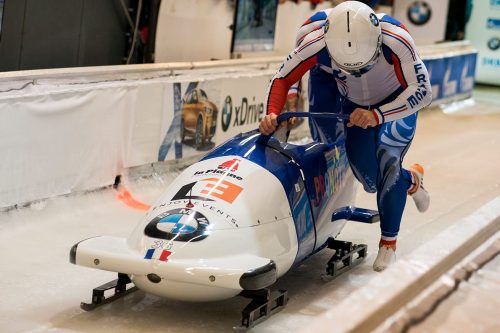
[{"x": 234, "y": 222}]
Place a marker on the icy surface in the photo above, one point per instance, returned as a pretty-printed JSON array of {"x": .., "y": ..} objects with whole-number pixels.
[
  {"x": 474, "y": 307},
  {"x": 41, "y": 291}
]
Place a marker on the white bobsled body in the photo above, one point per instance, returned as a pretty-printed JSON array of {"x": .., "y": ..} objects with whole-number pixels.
[
  {"x": 231, "y": 229},
  {"x": 230, "y": 222}
]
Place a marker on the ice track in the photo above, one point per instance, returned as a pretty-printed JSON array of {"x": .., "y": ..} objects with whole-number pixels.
[{"x": 41, "y": 291}]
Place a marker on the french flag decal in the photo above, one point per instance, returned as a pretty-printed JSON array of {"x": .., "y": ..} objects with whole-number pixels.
[{"x": 161, "y": 255}]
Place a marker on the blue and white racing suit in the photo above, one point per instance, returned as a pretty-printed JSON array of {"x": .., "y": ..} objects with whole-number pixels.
[{"x": 394, "y": 90}]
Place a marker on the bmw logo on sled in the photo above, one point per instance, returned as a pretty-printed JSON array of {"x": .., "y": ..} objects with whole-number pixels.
[{"x": 234, "y": 222}]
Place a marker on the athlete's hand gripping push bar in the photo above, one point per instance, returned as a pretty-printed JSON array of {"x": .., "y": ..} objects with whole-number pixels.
[{"x": 287, "y": 115}]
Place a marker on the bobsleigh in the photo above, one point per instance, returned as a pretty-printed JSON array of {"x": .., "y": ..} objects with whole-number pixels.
[{"x": 234, "y": 222}]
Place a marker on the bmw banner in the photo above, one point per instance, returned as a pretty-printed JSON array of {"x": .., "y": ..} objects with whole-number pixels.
[
  {"x": 452, "y": 77},
  {"x": 425, "y": 19},
  {"x": 483, "y": 31}
]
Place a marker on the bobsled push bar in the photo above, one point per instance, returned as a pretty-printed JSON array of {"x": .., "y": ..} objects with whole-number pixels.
[
  {"x": 356, "y": 214},
  {"x": 263, "y": 139},
  {"x": 347, "y": 255},
  {"x": 288, "y": 115},
  {"x": 119, "y": 287}
]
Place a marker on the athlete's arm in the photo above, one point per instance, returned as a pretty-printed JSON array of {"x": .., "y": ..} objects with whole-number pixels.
[
  {"x": 315, "y": 22},
  {"x": 303, "y": 58},
  {"x": 412, "y": 75}
]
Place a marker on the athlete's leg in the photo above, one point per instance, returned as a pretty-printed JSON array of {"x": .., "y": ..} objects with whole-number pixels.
[
  {"x": 361, "y": 148},
  {"x": 393, "y": 182},
  {"x": 394, "y": 139}
]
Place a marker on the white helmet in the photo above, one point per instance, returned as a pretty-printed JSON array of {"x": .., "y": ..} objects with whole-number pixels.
[{"x": 353, "y": 37}]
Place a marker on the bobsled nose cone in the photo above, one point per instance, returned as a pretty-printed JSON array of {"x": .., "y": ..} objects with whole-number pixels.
[
  {"x": 259, "y": 278},
  {"x": 72, "y": 253}
]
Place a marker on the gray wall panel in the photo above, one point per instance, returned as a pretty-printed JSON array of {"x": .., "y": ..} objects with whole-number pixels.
[
  {"x": 12, "y": 30},
  {"x": 51, "y": 33},
  {"x": 102, "y": 39},
  {"x": 62, "y": 33}
]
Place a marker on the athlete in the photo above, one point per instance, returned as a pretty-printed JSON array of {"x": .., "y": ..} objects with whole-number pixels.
[{"x": 365, "y": 65}]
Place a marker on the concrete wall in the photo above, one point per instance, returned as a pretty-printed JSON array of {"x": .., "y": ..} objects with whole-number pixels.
[{"x": 206, "y": 23}]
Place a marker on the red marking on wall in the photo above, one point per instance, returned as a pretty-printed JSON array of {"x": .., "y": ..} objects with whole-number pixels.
[{"x": 126, "y": 197}]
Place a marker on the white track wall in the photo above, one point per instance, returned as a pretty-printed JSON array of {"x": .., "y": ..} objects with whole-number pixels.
[{"x": 67, "y": 130}]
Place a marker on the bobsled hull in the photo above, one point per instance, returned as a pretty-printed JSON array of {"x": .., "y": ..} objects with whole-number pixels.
[{"x": 223, "y": 226}]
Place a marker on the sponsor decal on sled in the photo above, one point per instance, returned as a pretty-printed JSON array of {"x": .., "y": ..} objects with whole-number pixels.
[
  {"x": 163, "y": 254},
  {"x": 227, "y": 169},
  {"x": 214, "y": 187},
  {"x": 221, "y": 189},
  {"x": 230, "y": 165},
  {"x": 181, "y": 224},
  {"x": 218, "y": 172},
  {"x": 205, "y": 205}
]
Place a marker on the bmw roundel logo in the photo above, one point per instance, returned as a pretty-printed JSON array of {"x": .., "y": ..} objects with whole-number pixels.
[
  {"x": 374, "y": 19},
  {"x": 494, "y": 43},
  {"x": 181, "y": 224},
  {"x": 419, "y": 12},
  {"x": 227, "y": 111}
]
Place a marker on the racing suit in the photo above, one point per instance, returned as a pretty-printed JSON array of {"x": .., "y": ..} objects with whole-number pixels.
[{"x": 393, "y": 90}]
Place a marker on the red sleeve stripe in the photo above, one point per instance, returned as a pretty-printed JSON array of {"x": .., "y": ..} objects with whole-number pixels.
[
  {"x": 306, "y": 22},
  {"x": 310, "y": 42},
  {"x": 401, "y": 39},
  {"x": 307, "y": 33},
  {"x": 377, "y": 117},
  {"x": 298, "y": 71},
  {"x": 280, "y": 86},
  {"x": 395, "y": 111},
  {"x": 402, "y": 26},
  {"x": 399, "y": 71}
]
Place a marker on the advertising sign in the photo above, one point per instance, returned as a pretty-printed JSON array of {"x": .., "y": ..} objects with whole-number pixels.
[
  {"x": 242, "y": 105},
  {"x": 208, "y": 113},
  {"x": 190, "y": 129},
  {"x": 451, "y": 76},
  {"x": 425, "y": 19},
  {"x": 483, "y": 31}
]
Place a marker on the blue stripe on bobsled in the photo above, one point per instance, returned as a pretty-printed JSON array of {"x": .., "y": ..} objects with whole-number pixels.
[
  {"x": 326, "y": 163},
  {"x": 280, "y": 163}
]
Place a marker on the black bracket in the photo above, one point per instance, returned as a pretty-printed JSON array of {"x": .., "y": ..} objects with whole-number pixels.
[
  {"x": 264, "y": 303},
  {"x": 347, "y": 255},
  {"x": 119, "y": 287}
]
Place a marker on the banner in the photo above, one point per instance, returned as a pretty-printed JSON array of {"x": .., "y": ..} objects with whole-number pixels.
[
  {"x": 67, "y": 134},
  {"x": 200, "y": 115},
  {"x": 426, "y": 20},
  {"x": 483, "y": 31},
  {"x": 58, "y": 143},
  {"x": 189, "y": 119},
  {"x": 451, "y": 77},
  {"x": 242, "y": 105}
]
